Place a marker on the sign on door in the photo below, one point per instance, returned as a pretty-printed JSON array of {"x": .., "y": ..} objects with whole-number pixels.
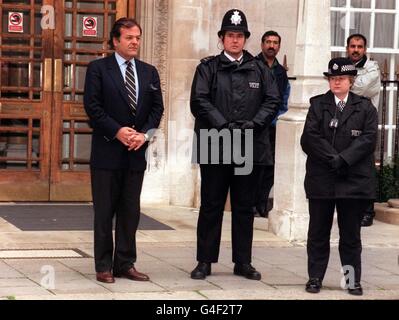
[
  {"x": 90, "y": 26},
  {"x": 15, "y": 22}
]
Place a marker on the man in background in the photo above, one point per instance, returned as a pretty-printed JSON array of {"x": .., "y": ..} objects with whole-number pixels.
[
  {"x": 270, "y": 45},
  {"x": 367, "y": 84}
]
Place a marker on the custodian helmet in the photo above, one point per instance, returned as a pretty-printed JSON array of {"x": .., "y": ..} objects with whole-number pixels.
[{"x": 234, "y": 20}]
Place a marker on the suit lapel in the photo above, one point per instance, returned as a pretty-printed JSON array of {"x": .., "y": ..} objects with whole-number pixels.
[{"x": 117, "y": 77}]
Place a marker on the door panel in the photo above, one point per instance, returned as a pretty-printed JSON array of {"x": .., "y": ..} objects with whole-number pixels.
[
  {"x": 44, "y": 134},
  {"x": 25, "y": 104}
]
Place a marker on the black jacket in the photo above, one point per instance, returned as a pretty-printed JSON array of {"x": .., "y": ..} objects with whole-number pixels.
[
  {"x": 280, "y": 74},
  {"x": 345, "y": 169},
  {"x": 223, "y": 91},
  {"x": 106, "y": 104}
]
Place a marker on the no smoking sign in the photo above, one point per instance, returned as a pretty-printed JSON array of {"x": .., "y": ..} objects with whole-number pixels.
[
  {"x": 15, "y": 22},
  {"x": 90, "y": 26}
]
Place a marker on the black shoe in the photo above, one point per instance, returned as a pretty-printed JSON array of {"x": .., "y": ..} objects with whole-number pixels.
[
  {"x": 367, "y": 220},
  {"x": 357, "y": 290},
  {"x": 202, "y": 270},
  {"x": 261, "y": 209},
  {"x": 255, "y": 212},
  {"x": 313, "y": 285},
  {"x": 247, "y": 271}
]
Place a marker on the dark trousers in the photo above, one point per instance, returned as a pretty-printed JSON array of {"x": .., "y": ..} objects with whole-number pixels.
[
  {"x": 350, "y": 213},
  {"x": 266, "y": 174},
  {"x": 115, "y": 192},
  {"x": 215, "y": 183}
]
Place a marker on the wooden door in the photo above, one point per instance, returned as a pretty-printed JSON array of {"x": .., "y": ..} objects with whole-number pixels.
[
  {"x": 44, "y": 134},
  {"x": 25, "y": 102}
]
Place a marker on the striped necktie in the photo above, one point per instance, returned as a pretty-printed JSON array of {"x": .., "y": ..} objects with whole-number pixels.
[
  {"x": 130, "y": 83},
  {"x": 341, "y": 105}
]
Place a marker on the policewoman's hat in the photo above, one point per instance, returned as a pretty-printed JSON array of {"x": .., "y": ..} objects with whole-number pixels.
[
  {"x": 234, "y": 20},
  {"x": 340, "y": 67}
]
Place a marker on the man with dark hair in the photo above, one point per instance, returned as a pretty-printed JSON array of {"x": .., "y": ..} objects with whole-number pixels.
[
  {"x": 367, "y": 84},
  {"x": 123, "y": 100},
  {"x": 232, "y": 94},
  {"x": 271, "y": 42}
]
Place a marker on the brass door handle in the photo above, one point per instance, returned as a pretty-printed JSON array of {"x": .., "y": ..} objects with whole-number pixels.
[
  {"x": 58, "y": 82},
  {"x": 48, "y": 74}
]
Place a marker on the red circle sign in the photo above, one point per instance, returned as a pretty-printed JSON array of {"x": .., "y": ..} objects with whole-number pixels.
[
  {"x": 89, "y": 23},
  {"x": 16, "y": 19}
]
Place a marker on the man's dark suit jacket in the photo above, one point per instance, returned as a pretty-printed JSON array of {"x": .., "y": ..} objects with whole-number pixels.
[{"x": 106, "y": 104}]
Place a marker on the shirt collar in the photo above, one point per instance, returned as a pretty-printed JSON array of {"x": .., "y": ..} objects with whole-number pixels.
[
  {"x": 231, "y": 58},
  {"x": 122, "y": 60},
  {"x": 344, "y": 100},
  {"x": 361, "y": 62}
]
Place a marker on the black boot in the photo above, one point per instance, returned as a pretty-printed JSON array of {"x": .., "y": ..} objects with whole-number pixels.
[
  {"x": 357, "y": 290},
  {"x": 247, "y": 271},
  {"x": 313, "y": 285},
  {"x": 202, "y": 270},
  {"x": 367, "y": 220}
]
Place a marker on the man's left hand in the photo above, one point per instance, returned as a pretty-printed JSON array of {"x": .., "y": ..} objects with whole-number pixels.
[{"x": 136, "y": 141}]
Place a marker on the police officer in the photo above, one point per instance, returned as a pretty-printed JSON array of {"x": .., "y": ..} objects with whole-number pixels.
[
  {"x": 231, "y": 93},
  {"x": 339, "y": 139}
]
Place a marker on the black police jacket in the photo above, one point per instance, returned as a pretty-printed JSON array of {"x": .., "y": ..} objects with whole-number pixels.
[
  {"x": 223, "y": 92},
  {"x": 345, "y": 168}
]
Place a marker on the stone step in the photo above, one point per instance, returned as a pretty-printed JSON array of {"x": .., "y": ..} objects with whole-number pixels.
[
  {"x": 394, "y": 203},
  {"x": 385, "y": 213}
]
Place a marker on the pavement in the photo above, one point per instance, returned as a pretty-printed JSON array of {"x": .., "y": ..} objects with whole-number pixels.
[{"x": 168, "y": 256}]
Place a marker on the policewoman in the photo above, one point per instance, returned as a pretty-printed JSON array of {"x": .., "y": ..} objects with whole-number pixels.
[
  {"x": 339, "y": 139},
  {"x": 231, "y": 91}
]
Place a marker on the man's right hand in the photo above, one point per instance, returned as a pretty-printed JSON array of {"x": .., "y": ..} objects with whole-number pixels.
[{"x": 125, "y": 134}]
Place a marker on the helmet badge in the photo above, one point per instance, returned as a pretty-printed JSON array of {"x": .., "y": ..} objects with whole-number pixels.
[{"x": 236, "y": 18}]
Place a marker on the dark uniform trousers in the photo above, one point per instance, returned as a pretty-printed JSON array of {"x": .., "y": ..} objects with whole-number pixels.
[
  {"x": 350, "y": 213},
  {"x": 115, "y": 191},
  {"x": 215, "y": 184}
]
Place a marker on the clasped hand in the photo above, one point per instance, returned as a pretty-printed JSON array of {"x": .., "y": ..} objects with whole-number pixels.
[
  {"x": 240, "y": 125},
  {"x": 131, "y": 138}
]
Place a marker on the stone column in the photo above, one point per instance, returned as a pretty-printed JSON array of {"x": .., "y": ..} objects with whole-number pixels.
[{"x": 289, "y": 217}]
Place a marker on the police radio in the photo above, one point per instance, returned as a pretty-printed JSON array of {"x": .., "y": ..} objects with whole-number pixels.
[{"x": 334, "y": 125}]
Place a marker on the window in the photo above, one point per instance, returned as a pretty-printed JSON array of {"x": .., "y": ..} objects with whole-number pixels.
[{"x": 378, "y": 21}]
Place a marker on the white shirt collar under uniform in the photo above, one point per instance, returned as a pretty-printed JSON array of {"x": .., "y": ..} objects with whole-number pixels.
[
  {"x": 231, "y": 58},
  {"x": 338, "y": 100}
]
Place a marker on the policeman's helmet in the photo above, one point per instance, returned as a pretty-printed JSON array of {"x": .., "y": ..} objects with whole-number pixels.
[
  {"x": 234, "y": 20},
  {"x": 340, "y": 67}
]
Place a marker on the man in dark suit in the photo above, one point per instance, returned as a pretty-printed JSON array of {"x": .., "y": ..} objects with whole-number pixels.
[{"x": 123, "y": 100}]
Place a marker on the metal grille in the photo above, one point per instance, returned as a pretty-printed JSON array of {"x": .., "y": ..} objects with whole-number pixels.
[
  {"x": 80, "y": 50},
  {"x": 21, "y": 54},
  {"x": 19, "y": 143}
]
